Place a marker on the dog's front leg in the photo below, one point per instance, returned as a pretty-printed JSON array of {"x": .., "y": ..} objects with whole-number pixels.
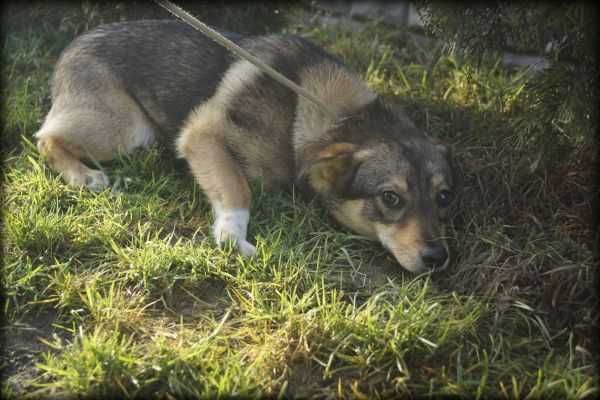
[
  {"x": 221, "y": 177},
  {"x": 232, "y": 224}
]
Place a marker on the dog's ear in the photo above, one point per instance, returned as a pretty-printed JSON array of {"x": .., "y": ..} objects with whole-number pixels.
[{"x": 330, "y": 168}]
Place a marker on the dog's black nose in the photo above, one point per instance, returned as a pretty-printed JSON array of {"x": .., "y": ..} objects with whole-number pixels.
[{"x": 434, "y": 256}]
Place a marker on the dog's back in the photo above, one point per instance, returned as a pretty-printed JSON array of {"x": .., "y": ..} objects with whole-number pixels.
[{"x": 166, "y": 66}]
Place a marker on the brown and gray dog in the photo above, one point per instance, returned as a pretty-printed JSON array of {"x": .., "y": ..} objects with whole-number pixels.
[{"x": 126, "y": 85}]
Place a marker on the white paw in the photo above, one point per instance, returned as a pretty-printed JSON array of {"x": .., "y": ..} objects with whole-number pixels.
[
  {"x": 91, "y": 179},
  {"x": 246, "y": 249},
  {"x": 231, "y": 225},
  {"x": 96, "y": 181}
]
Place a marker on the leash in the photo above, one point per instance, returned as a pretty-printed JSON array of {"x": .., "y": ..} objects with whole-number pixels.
[{"x": 242, "y": 53}]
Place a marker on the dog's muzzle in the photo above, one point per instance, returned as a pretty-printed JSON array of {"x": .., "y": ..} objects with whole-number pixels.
[{"x": 435, "y": 256}]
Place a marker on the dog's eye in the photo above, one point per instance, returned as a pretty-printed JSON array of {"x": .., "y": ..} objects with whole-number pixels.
[
  {"x": 443, "y": 199},
  {"x": 392, "y": 199}
]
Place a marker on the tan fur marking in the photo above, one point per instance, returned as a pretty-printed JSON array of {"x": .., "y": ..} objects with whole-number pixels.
[
  {"x": 328, "y": 163},
  {"x": 318, "y": 152},
  {"x": 405, "y": 242},
  {"x": 349, "y": 213},
  {"x": 400, "y": 184},
  {"x": 216, "y": 171},
  {"x": 65, "y": 159},
  {"x": 437, "y": 180},
  {"x": 341, "y": 90},
  {"x": 338, "y": 88},
  {"x": 57, "y": 156}
]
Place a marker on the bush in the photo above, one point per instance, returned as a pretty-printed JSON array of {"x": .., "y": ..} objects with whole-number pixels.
[{"x": 560, "y": 103}]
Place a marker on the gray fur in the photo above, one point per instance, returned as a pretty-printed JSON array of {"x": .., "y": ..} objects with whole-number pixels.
[{"x": 167, "y": 66}]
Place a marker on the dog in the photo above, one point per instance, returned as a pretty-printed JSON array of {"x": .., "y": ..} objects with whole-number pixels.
[{"x": 129, "y": 84}]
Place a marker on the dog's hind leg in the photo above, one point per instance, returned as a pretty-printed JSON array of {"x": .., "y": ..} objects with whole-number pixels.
[
  {"x": 93, "y": 129},
  {"x": 202, "y": 144},
  {"x": 66, "y": 159}
]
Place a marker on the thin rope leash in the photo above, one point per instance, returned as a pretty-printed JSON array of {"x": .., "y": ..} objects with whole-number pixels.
[{"x": 242, "y": 53}]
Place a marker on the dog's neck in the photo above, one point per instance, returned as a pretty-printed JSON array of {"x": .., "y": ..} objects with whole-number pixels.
[{"x": 339, "y": 89}]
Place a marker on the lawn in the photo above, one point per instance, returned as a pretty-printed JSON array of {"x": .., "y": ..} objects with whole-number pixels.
[{"x": 123, "y": 292}]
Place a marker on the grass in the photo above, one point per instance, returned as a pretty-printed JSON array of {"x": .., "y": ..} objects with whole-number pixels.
[{"x": 123, "y": 293}]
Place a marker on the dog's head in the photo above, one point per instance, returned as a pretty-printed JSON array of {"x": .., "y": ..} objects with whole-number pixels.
[{"x": 394, "y": 187}]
